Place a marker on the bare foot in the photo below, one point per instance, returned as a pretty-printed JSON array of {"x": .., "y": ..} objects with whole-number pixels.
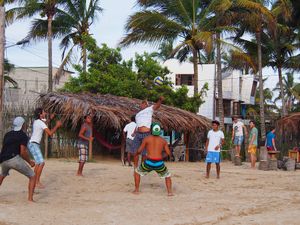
[
  {"x": 79, "y": 174},
  {"x": 170, "y": 194},
  {"x": 39, "y": 186},
  {"x": 218, "y": 177},
  {"x": 31, "y": 201},
  {"x": 206, "y": 177},
  {"x": 136, "y": 192}
]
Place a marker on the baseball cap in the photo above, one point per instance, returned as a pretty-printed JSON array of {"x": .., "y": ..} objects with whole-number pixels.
[
  {"x": 18, "y": 123},
  {"x": 156, "y": 129}
]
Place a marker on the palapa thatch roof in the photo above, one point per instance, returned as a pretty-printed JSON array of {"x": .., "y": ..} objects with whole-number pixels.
[
  {"x": 290, "y": 122},
  {"x": 113, "y": 112}
]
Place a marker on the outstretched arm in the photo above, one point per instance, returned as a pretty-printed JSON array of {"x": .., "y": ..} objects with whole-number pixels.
[
  {"x": 52, "y": 131},
  {"x": 158, "y": 103}
]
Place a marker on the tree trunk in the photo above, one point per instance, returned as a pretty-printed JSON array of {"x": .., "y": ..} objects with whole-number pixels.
[
  {"x": 2, "y": 41},
  {"x": 49, "y": 36},
  {"x": 84, "y": 58},
  {"x": 219, "y": 76},
  {"x": 261, "y": 88},
  {"x": 284, "y": 111},
  {"x": 195, "y": 64}
]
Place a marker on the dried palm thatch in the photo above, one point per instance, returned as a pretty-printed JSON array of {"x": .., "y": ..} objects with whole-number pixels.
[
  {"x": 290, "y": 123},
  {"x": 113, "y": 112}
]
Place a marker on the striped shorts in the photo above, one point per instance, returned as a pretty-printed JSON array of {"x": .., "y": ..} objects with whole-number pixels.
[
  {"x": 157, "y": 165},
  {"x": 82, "y": 152}
]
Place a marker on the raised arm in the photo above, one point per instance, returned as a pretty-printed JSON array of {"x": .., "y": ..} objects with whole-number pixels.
[{"x": 158, "y": 103}]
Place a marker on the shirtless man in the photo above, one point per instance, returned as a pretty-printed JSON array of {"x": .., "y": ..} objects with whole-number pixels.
[{"x": 154, "y": 145}]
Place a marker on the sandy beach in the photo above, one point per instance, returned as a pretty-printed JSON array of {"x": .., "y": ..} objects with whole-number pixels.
[{"x": 103, "y": 196}]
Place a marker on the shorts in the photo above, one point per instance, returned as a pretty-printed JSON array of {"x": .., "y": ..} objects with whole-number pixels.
[
  {"x": 129, "y": 145},
  {"x": 238, "y": 140},
  {"x": 35, "y": 150},
  {"x": 83, "y": 152},
  {"x": 157, "y": 165},
  {"x": 213, "y": 157},
  {"x": 252, "y": 149},
  {"x": 270, "y": 148},
  {"x": 18, "y": 164},
  {"x": 138, "y": 139}
]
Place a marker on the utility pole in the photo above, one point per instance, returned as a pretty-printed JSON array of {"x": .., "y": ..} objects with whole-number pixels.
[{"x": 2, "y": 40}]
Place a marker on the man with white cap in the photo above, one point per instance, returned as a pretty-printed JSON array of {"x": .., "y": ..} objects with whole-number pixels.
[{"x": 14, "y": 154}]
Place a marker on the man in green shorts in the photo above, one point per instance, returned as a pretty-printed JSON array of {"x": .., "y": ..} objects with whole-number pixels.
[{"x": 154, "y": 145}]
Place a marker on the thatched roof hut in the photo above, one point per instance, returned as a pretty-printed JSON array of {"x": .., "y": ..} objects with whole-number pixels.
[
  {"x": 113, "y": 112},
  {"x": 290, "y": 123}
]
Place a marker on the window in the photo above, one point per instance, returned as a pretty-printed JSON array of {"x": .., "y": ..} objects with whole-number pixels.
[
  {"x": 253, "y": 90},
  {"x": 236, "y": 108},
  {"x": 226, "y": 107},
  {"x": 185, "y": 79}
]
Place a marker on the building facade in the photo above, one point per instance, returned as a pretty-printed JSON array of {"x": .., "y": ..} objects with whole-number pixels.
[
  {"x": 238, "y": 90},
  {"x": 32, "y": 81}
]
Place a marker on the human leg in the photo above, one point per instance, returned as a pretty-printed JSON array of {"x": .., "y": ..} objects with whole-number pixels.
[
  {"x": 129, "y": 158},
  {"x": 31, "y": 187},
  {"x": 208, "y": 166},
  {"x": 83, "y": 157},
  {"x": 218, "y": 169},
  {"x": 1, "y": 179},
  {"x": 38, "y": 171},
  {"x": 169, "y": 186},
  {"x": 137, "y": 180}
]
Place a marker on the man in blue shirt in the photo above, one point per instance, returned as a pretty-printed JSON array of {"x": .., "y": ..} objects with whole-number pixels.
[{"x": 270, "y": 142}]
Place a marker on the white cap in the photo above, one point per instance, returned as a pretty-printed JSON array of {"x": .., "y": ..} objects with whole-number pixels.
[{"x": 18, "y": 123}]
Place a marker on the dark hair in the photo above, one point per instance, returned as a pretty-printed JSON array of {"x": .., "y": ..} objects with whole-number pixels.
[
  {"x": 272, "y": 128},
  {"x": 132, "y": 118},
  {"x": 37, "y": 113},
  {"x": 215, "y": 122},
  {"x": 252, "y": 121},
  {"x": 88, "y": 114}
]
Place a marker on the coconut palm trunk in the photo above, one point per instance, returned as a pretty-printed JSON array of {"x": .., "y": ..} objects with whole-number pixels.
[
  {"x": 49, "y": 36},
  {"x": 284, "y": 111},
  {"x": 219, "y": 77},
  {"x": 261, "y": 87},
  {"x": 84, "y": 57},
  {"x": 195, "y": 64}
]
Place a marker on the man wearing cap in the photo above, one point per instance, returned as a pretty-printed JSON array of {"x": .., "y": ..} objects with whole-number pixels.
[
  {"x": 14, "y": 154},
  {"x": 143, "y": 121},
  {"x": 154, "y": 145}
]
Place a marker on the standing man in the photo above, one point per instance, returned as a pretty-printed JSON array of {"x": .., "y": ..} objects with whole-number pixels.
[
  {"x": 14, "y": 154},
  {"x": 129, "y": 132},
  {"x": 154, "y": 145},
  {"x": 38, "y": 128},
  {"x": 84, "y": 138},
  {"x": 238, "y": 135},
  {"x": 143, "y": 121},
  {"x": 253, "y": 143},
  {"x": 270, "y": 142},
  {"x": 214, "y": 142}
]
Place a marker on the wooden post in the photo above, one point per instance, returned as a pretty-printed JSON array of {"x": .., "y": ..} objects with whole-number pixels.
[
  {"x": 2, "y": 41},
  {"x": 46, "y": 145},
  {"x": 123, "y": 149},
  {"x": 187, "y": 140}
]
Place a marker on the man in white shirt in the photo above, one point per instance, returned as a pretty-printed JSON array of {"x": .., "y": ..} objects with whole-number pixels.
[
  {"x": 143, "y": 121},
  {"x": 128, "y": 131},
  {"x": 39, "y": 126},
  {"x": 214, "y": 142},
  {"x": 238, "y": 135}
]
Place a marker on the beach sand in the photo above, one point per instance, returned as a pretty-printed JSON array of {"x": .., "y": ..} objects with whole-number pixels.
[{"x": 103, "y": 196}]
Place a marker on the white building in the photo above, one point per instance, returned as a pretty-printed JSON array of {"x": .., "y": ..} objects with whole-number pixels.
[
  {"x": 238, "y": 89},
  {"x": 32, "y": 81}
]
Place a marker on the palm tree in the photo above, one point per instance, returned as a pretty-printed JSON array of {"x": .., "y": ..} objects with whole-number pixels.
[
  {"x": 8, "y": 67},
  {"x": 43, "y": 8},
  {"x": 164, "y": 20},
  {"x": 289, "y": 91},
  {"x": 254, "y": 22},
  {"x": 72, "y": 25}
]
